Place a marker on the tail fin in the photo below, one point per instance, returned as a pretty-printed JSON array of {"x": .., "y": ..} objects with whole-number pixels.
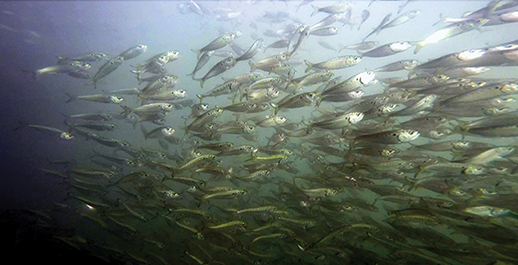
[
  {"x": 275, "y": 108},
  {"x": 200, "y": 80},
  {"x": 418, "y": 46},
  {"x": 200, "y": 96},
  {"x": 310, "y": 66},
  {"x": 316, "y": 9},
  {"x": 34, "y": 73},
  {"x": 70, "y": 97},
  {"x": 126, "y": 111},
  {"x": 442, "y": 18},
  {"x": 144, "y": 131},
  {"x": 198, "y": 53},
  {"x": 92, "y": 82},
  {"x": 253, "y": 67}
]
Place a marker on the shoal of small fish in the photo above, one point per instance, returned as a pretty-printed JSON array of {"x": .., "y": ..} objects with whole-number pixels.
[{"x": 408, "y": 163}]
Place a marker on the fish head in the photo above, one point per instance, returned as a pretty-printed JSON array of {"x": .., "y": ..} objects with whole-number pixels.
[
  {"x": 474, "y": 170},
  {"x": 141, "y": 47},
  {"x": 413, "y": 13},
  {"x": 106, "y": 117},
  {"x": 116, "y": 99},
  {"x": 354, "y": 117},
  {"x": 162, "y": 60},
  {"x": 66, "y": 136},
  {"x": 366, "y": 77},
  {"x": 173, "y": 55},
  {"x": 168, "y": 131},
  {"x": 112, "y": 126},
  {"x": 166, "y": 106},
  {"x": 180, "y": 93},
  {"x": 495, "y": 111},
  {"x": 471, "y": 54},
  {"x": 249, "y": 129},
  {"x": 279, "y": 119},
  {"x": 123, "y": 143},
  {"x": 508, "y": 88},
  {"x": 356, "y": 58},
  {"x": 408, "y": 135},
  {"x": 84, "y": 66},
  {"x": 117, "y": 60}
]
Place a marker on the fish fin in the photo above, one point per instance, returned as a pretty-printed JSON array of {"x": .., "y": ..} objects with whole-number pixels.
[
  {"x": 253, "y": 67},
  {"x": 126, "y": 111},
  {"x": 200, "y": 96},
  {"x": 254, "y": 156},
  {"x": 144, "y": 131},
  {"x": 198, "y": 53},
  {"x": 275, "y": 108},
  {"x": 309, "y": 64},
  {"x": 34, "y": 73},
  {"x": 199, "y": 80},
  {"x": 70, "y": 97},
  {"x": 442, "y": 18},
  {"x": 418, "y": 46},
  {"x": 316, "y": 9}
]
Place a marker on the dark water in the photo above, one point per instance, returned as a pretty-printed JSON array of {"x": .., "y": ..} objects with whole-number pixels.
[{"x": 33, "y": 34}]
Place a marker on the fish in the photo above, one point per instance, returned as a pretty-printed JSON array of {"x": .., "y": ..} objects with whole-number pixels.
[
  {"x": 61, "y": 134},
  {"x": 296, "y": 101},
  {"x": 388, "y": 49},
  {"x": 252, "y": 51},
  {"x": 340, "y": 8},
  {"x": 64, "y": 67},
  {"x": 88, "y": 57},
  {"x": 366, "y": 45},
  {"x": 217, "y": 69},
  {"x": 218, "y": 43},
  {"x": 389, "y": 137},
  {"x": 133, "y": 52},
  {"x": 202, "y": 61},
  {"x": 334, "y": 63},
  {"x": 96, "y": 98},
  {"x": 450, "y": 31},
  {"x": 365, "y": 15},
  {"x": 106, "y": 69},
  {"x": 384, "y": 21},
  {"x": 401, "y": 19},
  {"x": 328, "y": 31}
]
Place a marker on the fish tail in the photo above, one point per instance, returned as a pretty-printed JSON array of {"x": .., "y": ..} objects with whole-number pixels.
[
  {"x": 198, "y": 52},
  {"x": 418, "y": 46},
  {"x": 442, "y": 18},
  {"x": 200, "y": 80},
  {"x": 200, "y": 96},
  {"x": 275, "y": 108},
  {"x": 70, "y": 97},
  {"x": 315, "y": 10},
  {"x": 144, "y": 131},
  {"x": 254, "y": 156},
  {"x": 35, "y": 74},
  {"x": 309, "y": 64},
  {"x": 126, "y": 111},
  {"x": 253, "y": 67}
]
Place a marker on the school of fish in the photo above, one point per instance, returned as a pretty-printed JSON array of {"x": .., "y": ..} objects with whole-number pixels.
[{"x": 412, "y": 162}]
